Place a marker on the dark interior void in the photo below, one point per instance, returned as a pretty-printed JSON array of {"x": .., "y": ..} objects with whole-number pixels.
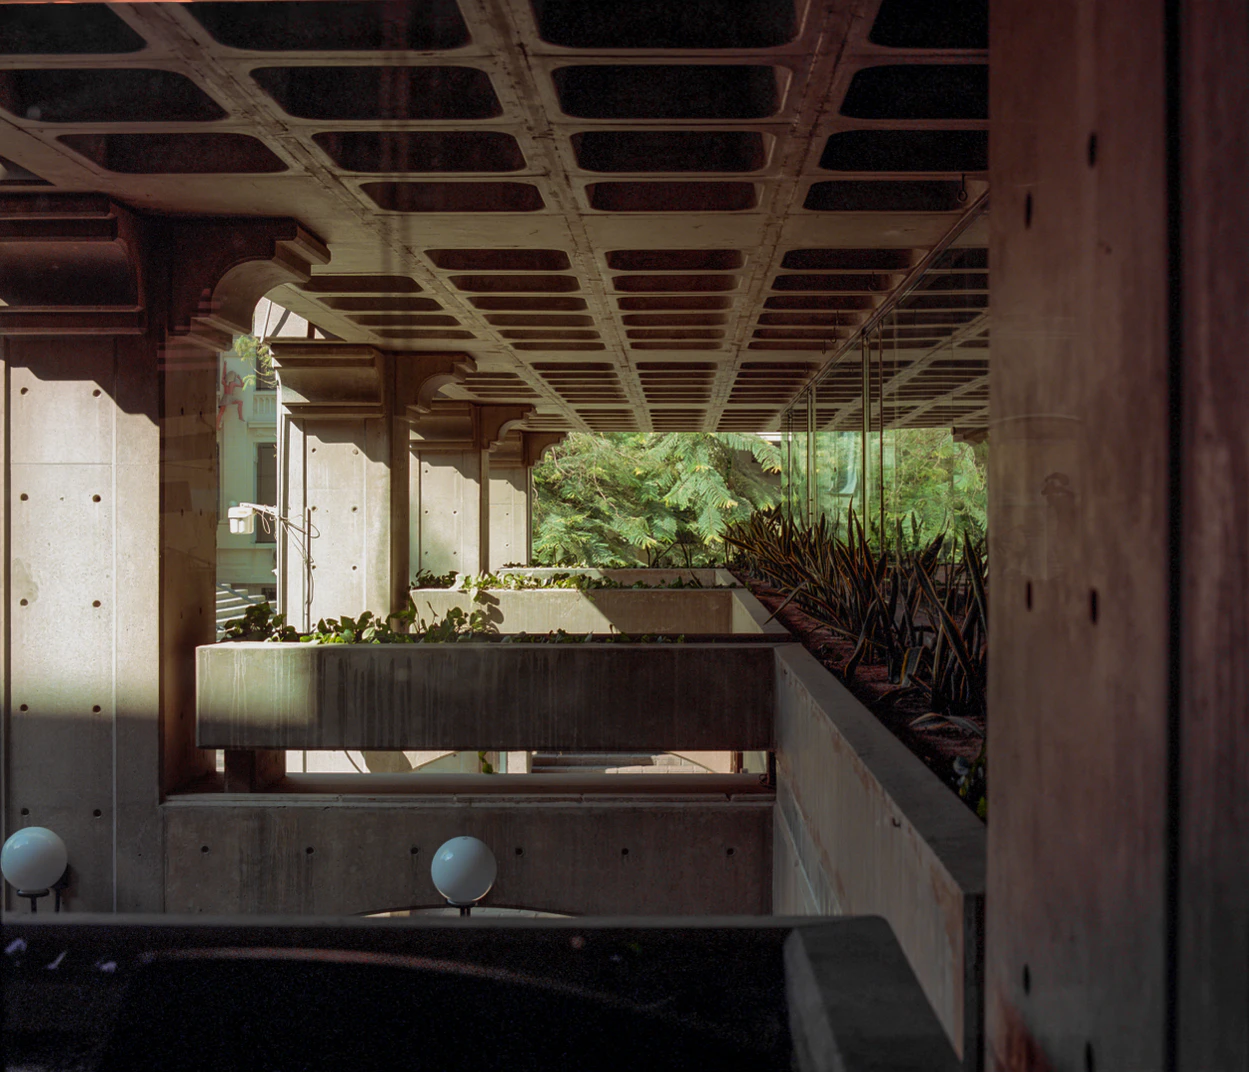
[
  {"x": 666, "y": 23},
  {"x": 919, "y": 91},
  {"x": 907, "y": 150},
  {"x": 690, "y": 301},
  {"x": 361, "y": 25},
  {"x": 511, "y": 283},
  {"x": 658, "y": 91},
  {"x": 674, "y": 260},
  {"x": 58, "y": 29},
  {"x": 670, "y": 150},
  {"x": 841, "y": 281},
  {"x": 841, "y": 260},
  {"x": 648, "y": 284},
  {"x": 932, "y": 24},
  {"x": 422, "y": 150},
  {"x": 964, "y": 257},
  {"x": 415, "y": 305},
  {"x": 674, "y": 320},
  {"x": 868, "y": 196},
  {"x": 105, "y": 95},
  {"x": 526, "y": 303},
  {"x": 945, "y": 301},
  {"x": 175, "y": 154},
  {"x": 500, "y": 260},
  {"x": 672, "y": 196},
  {"x": 454, "y": 196},
  {"x": 380, "y": 92},
  {"x": 539, "y": 319},
  {"x": 819, "y": 301}
]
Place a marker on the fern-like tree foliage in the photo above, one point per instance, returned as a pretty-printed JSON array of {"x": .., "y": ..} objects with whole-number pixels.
[{"x": 648, "y": 499}]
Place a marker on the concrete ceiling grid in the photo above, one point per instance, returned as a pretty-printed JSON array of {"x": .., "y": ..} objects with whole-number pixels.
[{"x": 616, "y": 247}]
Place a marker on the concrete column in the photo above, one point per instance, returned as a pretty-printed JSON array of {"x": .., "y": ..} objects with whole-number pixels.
[
  {"x": 110, "y": 515},
  {"x": 509, "y": 504},
  {"x": 454, "y": 510},
  {"x": 452, "y": 486},
  {"x": 344, "y": 480}
]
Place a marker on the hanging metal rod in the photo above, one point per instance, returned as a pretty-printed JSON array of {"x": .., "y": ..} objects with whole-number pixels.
[{"x": 973, "y": 213}]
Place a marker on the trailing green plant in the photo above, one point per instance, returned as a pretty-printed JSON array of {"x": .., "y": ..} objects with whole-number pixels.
[
  {"x": 518, "y": 582},
  {"x": 407, "y": 627}
]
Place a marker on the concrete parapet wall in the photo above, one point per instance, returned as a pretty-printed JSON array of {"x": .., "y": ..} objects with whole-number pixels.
[
  {"x": 569, "y": 697},
  {"x": 864, "y": 828},
  {"x": 632, "y": 611},
  {"x": 707, "y": 854}
]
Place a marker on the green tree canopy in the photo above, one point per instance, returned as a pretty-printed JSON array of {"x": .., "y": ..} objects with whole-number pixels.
[{"x": 648, "y": 499}]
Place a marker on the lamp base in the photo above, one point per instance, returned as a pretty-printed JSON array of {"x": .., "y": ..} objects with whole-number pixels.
[{"x": 33, "y": 896}]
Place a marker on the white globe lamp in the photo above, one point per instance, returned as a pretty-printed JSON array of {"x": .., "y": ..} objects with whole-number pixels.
[
  {"x": 33, "y": 861},
  {"x": 463, "y": 871}
]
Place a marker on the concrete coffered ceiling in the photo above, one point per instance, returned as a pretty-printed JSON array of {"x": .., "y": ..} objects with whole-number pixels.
[{"x": 630, "y": 215}]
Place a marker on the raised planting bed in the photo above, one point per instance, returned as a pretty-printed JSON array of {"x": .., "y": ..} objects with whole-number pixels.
[
  {"x": 588, "y": 697},
  {"x": 938, "y": 746},
  {"x": 629, "y": 611}
]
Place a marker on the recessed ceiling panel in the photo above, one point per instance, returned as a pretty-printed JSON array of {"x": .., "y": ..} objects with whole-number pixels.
[
  {"x": 656, "y": 91},
  {"x": 380, "y": 92},
  {"x": 325, "y": 26},
  {"x": 907, "y": 150},
  {"x": 932, "y": 24},
  {"x": 674, "y": 260},
  {"x": 176, "y": 154},
  {"x": 919, "y": 91},
  {"x": 884, "y": 196},
  {"x": 672, "y": 196},
  {"x": 500, "y": 260},
  {"x": 666, "y": 23},
  {"x": 669, "y": 150},
  {"x": 422, "y": 150},
  {"x": 455, "y": 196},
  {"x": 105, "y": 95},
  {"x": 63, "y": 29}
]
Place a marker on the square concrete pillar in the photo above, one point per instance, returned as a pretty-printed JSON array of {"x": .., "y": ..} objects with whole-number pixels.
[
  {"x": 343, "y": 486},
  {"x": 509, "y": 516},
  {"x": 451, "y": 510}
]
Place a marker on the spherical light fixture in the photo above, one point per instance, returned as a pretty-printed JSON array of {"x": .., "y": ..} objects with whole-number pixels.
[
  {"x": 33, "y": 861},
  {"x": 463, "y": 871}
]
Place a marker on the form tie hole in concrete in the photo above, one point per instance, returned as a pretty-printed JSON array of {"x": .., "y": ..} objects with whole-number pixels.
[
  {"x": 25, "y": 811},
  {"x": 355, "y": 508},
  {"x": 24, "y": 707},
  {"x": 24, "y": 496},
  {"x": 24, "y": 602},
  {"x": 97, "y": 813},
  {"x": 1027, "y": 211},
  {"x": 25, "y": 390},
  {"x": 1089, "y": 1065},
  {"x": 95, "y": 709},
  {"x": 414, "y": 850},
  {"x": 95, "y": 498},
  {"x": 1092, "y": 150},
  {"x": 1027, "y": 980},
  {"x": 203, "y": 848},
  {"x": 95, "y": 602},
  {"x": 1093, "y": 605},
  {"x": 1027, "y": 594},
  {"x": 95, "y": 393},
  {"x": 309, "y": 850},
  {"x": 354, "y": 567},
  {"x": 729, "y": 851},
  {"x": 624, "y": 852},
  {"x": 520, "y": 851}
]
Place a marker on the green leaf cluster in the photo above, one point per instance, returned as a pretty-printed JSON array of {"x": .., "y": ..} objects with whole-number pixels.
[{"x": 648, "y": 499}]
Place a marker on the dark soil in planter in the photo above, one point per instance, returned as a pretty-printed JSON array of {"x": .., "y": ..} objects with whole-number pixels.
[{"x": 937, "y": 746}]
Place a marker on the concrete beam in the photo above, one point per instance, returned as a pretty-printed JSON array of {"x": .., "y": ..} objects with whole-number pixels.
[{"x": 573, "y": 697}]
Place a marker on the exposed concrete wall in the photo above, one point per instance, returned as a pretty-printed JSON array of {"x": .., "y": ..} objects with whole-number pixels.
[
  {"x": 453, "y": 525},
  {"x": 864, "y": 828},
  {"x": 509, "y": 516},
  {"x": 571, "y": 697},
  {"x": 96, "y": 503},
  {"x": 295, "y": 855}
]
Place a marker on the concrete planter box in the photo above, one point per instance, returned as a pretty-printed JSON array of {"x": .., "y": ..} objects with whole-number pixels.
[
  {"x": 590, "y": 697},
  {"x": 632, "y": 611},
  {"x": 863, "y": 827}
]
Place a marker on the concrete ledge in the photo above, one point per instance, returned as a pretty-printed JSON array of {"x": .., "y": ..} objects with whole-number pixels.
[
  {"x": 632, "y": 611},
  {"x": 855, "y": 1004},
  {"x": 564, "y": 697},
  {"x": 581, "y": 857},
  {"x": 863, "y": 827}
]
